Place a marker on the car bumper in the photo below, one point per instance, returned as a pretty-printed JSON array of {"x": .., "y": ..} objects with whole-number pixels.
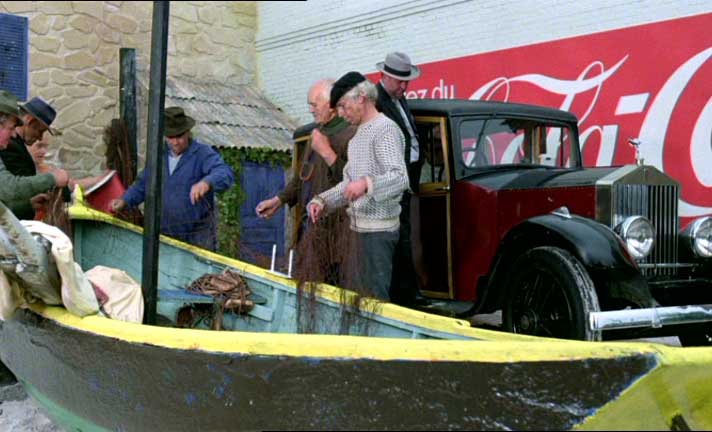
[{"x": 655, "y": 317}]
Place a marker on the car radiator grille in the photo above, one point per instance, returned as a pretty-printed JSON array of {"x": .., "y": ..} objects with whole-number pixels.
[{"x": 658, "y": 203}]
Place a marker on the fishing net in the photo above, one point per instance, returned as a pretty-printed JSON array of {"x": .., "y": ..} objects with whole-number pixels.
[
  {"x": 328, "y": 252},
  {"x": 118, "y": 158}
]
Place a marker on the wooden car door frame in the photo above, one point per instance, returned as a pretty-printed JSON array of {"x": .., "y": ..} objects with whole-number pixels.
[{"x": 431, "y": 233}]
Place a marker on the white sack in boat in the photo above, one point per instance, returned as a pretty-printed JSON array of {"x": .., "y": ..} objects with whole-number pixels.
[
  {"x": 77, "y": 293},
  {"x": 10, "y": 297},
  {"x": 24, "y": 256},
  {"x": 125, "y": 301}
]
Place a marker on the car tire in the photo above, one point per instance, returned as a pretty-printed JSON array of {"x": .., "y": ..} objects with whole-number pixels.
[{"x": 550, "y": 294}]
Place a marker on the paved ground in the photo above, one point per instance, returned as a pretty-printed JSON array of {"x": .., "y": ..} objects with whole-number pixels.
[{"x": 18, "y": 413}]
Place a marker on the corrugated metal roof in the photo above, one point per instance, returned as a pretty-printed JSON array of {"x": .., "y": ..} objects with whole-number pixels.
[{"x": 231, "y": 116}]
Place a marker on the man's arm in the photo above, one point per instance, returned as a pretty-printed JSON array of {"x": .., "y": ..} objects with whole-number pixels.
[
  {"x": 16, "y": 191},
  {"x": 389, "y": 153},
  {"x": 217, "y": 174},
  {"x": 136, "y": 193}
]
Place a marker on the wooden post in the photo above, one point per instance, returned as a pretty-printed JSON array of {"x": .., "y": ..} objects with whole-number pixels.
[
  {"x": 127, "y": 101},
  {"x": 154, "y": 159}
]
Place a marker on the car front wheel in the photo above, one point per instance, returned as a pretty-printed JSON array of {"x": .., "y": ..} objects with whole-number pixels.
[{"x": 550, "y": 294}]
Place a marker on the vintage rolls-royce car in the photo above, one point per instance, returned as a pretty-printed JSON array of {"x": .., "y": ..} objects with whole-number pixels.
[{"x": 507, "y": 218}]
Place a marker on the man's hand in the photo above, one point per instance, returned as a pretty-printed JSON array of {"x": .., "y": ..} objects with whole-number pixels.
[
  {"x": 314, "y": 210},
  {"x": 198, "y": 191},
  {"x": 320, "y": 144},
  {"x": 61, "y": 178},
  {"x": 355, "y": 189},
  {"x": 117, "y": 205},
  {"x": 267, "y": 208},
  {"x": 39, "y": 200}
]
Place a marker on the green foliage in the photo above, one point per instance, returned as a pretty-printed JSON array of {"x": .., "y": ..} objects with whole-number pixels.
[
  {"x": 229, "y": 202},
  {"x": 265, "y": 155}
]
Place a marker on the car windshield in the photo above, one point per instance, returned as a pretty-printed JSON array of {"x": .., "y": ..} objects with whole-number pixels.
[{"x": 493, "y": 142}]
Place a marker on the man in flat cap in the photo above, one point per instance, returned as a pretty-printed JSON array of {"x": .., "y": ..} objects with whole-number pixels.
[
  {"x": 192, "y": 173},
  {"x": 373, "y": 182},
  {"x": 17, "y": 191},
  {"x": 396, "y": 73}
]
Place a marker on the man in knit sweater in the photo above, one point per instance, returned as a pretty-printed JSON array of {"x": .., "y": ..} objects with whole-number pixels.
[{"x": 375, "y": 178}]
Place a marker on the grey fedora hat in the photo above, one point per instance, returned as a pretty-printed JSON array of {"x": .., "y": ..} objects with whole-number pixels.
[
  {"x": 398, "y": 65},
  {"x": 42, "y": 111}
]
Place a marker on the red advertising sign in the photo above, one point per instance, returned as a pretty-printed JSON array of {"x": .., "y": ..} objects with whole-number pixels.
[{"x": 652, "y": 81}]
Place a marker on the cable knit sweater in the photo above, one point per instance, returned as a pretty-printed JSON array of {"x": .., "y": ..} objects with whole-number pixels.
[{"x": 376, "y": 153}]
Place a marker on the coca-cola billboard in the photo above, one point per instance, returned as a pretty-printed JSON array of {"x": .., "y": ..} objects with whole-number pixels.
[{"x": 651, "y": 81}]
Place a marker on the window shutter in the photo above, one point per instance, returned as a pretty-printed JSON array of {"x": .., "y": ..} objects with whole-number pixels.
[{"x": 14, "y": 46}]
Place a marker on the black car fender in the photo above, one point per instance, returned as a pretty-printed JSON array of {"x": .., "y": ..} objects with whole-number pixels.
[{"x": 616, "y": 275}]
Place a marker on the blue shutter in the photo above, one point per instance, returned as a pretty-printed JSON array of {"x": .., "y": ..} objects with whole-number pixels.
[
  {"x": 14, "y": 44},
  {"x": 260, "y": 181}
]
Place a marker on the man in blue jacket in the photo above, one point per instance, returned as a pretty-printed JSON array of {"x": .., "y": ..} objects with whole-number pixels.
[{"x": 192, "y": 173}]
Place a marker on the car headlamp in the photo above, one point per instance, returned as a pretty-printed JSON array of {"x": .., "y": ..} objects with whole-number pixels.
[
  {"x": 698, "y": 236},
  {"x": 638, "y": 235}
]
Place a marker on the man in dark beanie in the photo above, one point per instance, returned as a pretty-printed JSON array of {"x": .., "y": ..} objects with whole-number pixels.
[
  {"x": 373, "y": 182},
  {"x": 192, "y": 173}
]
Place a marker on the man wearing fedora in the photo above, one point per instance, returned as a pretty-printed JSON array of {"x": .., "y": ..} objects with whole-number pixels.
[
  {"x": 192, "y": 173},
  {"x": 37, "y": 116},
  {"x": 16, "y": 191},
  {"x": 396, "y": 73},
  {"x": 374, "y": 179}
]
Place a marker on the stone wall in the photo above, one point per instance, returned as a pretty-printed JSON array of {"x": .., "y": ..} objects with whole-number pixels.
[{"x": 74, "y": 61}]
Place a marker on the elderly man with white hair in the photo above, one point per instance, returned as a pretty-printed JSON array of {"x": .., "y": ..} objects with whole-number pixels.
[{"x": 375, "y": 177}]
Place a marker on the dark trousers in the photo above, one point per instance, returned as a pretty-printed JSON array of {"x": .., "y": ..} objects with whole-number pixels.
[
  {"x": 404, "y": 287},
  {"x": 374, "y": 262}
]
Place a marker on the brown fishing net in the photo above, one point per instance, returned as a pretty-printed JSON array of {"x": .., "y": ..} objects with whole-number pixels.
[
  {"x": 54, "y": 212},
  {"x": 118, "y": 157},
  {"x": 230, "y": 292},
  {"x": 327, "y": 253}
]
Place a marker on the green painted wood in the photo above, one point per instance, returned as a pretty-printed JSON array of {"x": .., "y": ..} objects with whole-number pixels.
[
  {"x": 61, "y": 416},
  {"x": 108, "y": 245}
]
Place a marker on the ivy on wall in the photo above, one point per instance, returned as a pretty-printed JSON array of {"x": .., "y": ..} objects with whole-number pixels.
[{"x": 229, "y": 202}]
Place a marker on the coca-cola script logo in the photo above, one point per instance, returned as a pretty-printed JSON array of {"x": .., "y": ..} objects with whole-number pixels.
[{"x": 653, "y": 82}]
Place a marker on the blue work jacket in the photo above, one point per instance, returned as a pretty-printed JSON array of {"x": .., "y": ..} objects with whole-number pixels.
[{"x": 192, "y": 223}]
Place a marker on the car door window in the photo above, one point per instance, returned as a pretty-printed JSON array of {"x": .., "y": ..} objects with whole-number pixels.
[
  {"x": 492, "y": 142},
  {"x": 431, "y": 137}
]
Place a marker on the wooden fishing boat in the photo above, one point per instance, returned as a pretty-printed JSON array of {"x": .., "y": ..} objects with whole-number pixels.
[{"x": 396, "y": 369}]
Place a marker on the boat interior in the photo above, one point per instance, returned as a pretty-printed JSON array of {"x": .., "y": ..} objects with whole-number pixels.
[{"x": 102, "y": 240}]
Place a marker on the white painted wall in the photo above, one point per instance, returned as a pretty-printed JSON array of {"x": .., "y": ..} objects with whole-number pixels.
[{"x": 299, "y": 42}]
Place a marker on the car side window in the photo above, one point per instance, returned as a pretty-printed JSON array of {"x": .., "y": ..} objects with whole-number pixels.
[
  {"x": 430, "y": 135},
  {"x": 492, "y": 142}
]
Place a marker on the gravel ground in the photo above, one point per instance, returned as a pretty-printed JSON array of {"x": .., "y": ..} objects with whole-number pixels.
[{"x": 19, "y": 413}]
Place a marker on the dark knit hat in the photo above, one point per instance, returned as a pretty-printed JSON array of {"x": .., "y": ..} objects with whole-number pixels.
[{"x": 343, "y": 85}]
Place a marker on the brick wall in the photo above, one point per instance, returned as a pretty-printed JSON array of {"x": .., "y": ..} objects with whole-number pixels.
[{"x": 299, "y": 42}]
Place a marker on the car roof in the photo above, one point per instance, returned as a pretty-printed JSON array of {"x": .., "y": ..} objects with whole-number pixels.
[{"x": 463, "y": 107}]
